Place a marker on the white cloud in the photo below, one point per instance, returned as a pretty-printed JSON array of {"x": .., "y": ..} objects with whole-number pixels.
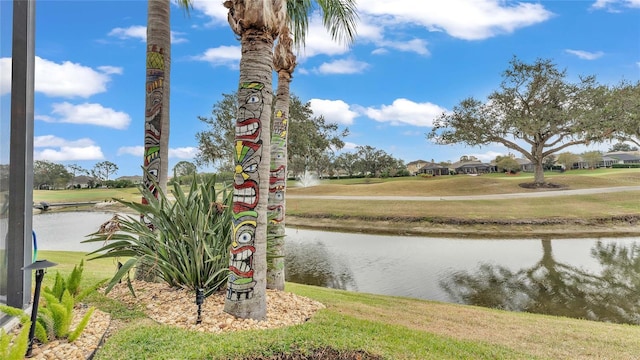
[
  {"x": 66, "y": 79},
  {"x": 380, "y": 51},
  {"x": 54, "y": 141},
  {"x": 417, "y": 46},
  {"x": 131, "y": 150},
  {"x": 404, "y": 111},
  {"x": 110, "y": 70},
  {"x": 188, "y": 152},
  {"x": 214, "y": 10},
  {"x": 585, "y": 55},
  {"x": 221, "y": 56},
  {"x": 334, "y": 111},
  {"x": 349, "y": 145},
  {"x": 140, "y": 32},
  {"x": 463, "y": 19},
  {"x": 174, "y": 153},
  {"x": 610, "y": 4},
  {"x": 92, "y": 114},
  {"x": 346, "y": 66},
  {"x": 318, "y": 41},
  {"x": 59, "y": 149},
  {"x": 132, "y": 32},
  {"x": 66, "y": 153}
]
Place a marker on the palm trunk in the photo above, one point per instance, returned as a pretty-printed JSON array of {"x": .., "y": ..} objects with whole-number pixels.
[
  {"x": 246, "y": 289},
  {"x": 156, "y": 124},
  {"x": 284, "y": 63}
]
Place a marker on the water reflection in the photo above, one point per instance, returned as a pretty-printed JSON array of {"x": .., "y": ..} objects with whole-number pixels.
[
  {"x": 313, "y": 264},
  {"x": 557, "y": 288}
]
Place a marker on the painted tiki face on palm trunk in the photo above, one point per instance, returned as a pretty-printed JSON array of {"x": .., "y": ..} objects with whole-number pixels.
[
  {"x": 246, "y": 192},
  {"x": 153, "y": 117}
]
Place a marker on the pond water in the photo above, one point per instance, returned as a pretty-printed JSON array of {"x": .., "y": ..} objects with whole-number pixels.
[{"x": 596, "y": 279}]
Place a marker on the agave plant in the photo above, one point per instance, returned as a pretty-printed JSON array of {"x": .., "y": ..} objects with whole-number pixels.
[{"x": 185, "y": 240}]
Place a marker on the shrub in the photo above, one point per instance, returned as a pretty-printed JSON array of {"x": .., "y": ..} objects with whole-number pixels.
[
  {"x": 56, "y": 314},
  {"x": 186, "y": 241},
  {"x": 13, "y": 347}
]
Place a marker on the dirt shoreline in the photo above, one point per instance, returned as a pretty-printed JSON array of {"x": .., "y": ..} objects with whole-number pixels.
[{"x": 482, "y": 229}]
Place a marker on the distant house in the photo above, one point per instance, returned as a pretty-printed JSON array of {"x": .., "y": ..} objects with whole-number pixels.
[
  {"x": 81, "y": 181},
  {"x": 525, "y": 164},
  {"x": 414, "y": 166},
  {"x": 629, "y": 157},
  {"x": 136, "y": 179},
  {"x": 472, "y": 167},
  {"x": 434, "y": 169}
]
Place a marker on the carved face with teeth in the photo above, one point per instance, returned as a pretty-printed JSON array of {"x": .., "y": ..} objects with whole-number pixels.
[
  {"x": 250, "y": 95},
  {"x": 245, "y": 188}
]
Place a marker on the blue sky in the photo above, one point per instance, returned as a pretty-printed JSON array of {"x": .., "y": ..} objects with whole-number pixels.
[{"x": 412, "y": 60}]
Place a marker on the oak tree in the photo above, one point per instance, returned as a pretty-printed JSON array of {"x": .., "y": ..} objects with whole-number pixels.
[{"x": 536, "y": 112}]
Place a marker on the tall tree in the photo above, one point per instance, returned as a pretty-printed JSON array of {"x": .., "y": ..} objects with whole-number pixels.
[
  {"x": 257, "y": 24},
  {"x": 77, "y": 170},
  {"x": 592, "y": 158},
  {"x": 157, "y": 99},
  {"x": 622, "y": 147},
  {"x": 339, "y": 18},
  {"x": 184, "y": 168},
  {"x": 103, "y": 170},
  {"x": 215, "y": 144},
  {"x": 535, "y": 105},
  {"x": 51, "y": 174},
  {"x": 284, "y": 62},
  {"x": 567, "y": 159},
  {"x": 624, "y": 110},
  {"x": 310, "y": 137}
]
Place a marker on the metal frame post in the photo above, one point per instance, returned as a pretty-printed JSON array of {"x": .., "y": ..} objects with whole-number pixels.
[{"x": 21, "y": 153}]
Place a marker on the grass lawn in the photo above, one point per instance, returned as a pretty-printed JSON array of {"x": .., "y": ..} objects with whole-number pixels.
[{"x": 394, "y": 328}]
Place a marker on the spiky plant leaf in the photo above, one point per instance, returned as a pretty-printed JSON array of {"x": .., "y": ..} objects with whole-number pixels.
[{"x": 73, "y": 336}]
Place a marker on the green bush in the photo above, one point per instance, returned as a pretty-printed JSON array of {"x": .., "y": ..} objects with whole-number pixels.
[
  {"x": 54, "y": 318},
  {"x": 56, "y": 313},
  {"x": 625, "y": 166},
  {"x": 186, "y": 241},
  {"x": 13, "y": 347},
  {"x": 71, "y": 284}
]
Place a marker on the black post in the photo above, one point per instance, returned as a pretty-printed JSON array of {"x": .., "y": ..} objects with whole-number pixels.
[
  {"x": 199, "y": 302},
  {"x": 38, "y": 266},
  {"x": 34, "y": 309}
]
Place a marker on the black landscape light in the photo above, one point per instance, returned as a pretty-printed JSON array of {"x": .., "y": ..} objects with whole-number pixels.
[
  {"x": 199, "y": 302},
  {"x": 39, "y": 267}
]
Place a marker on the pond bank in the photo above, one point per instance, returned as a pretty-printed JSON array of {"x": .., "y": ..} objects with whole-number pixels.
[
  {"x": 468, "y": 228},
  {"x": 611, "y": 226}
]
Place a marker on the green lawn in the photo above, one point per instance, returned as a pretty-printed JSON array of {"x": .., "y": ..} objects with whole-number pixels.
[{"x": 394, "y": 328}]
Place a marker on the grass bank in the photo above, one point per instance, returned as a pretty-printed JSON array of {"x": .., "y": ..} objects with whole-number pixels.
[
  {"x": 602, "y": 214},
  {"x": 391, "y": 327}
]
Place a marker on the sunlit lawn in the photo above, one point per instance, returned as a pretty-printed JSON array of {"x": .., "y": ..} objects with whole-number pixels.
[{"x": 395, "y": 328}]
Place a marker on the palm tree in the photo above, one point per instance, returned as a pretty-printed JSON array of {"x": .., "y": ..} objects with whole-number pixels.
[
  {"x": 284, "y": 62},
  {"x": 339, "y": 19},
  {"x": 156, "y": 107},
  {"x": 156, "y": 115},
  {"x": 258, "y": 23}
]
